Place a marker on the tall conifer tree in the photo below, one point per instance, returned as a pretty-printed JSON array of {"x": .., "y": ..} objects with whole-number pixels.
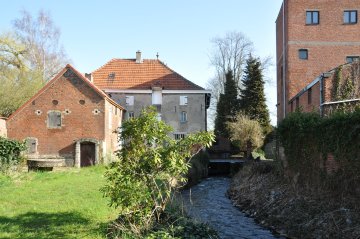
[
  {"x": 253, "y": 102},
  {"x": 227, "y": 106}
]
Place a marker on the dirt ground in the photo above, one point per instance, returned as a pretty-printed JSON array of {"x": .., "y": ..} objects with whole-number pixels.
[{"x": 293, "y": 211}]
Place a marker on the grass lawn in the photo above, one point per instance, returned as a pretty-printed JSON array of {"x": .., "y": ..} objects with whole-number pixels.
[{"x": 54, "y": 205}]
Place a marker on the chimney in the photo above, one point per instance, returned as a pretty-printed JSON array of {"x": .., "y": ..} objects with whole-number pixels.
[
  {"x": 89, "y": 76},
  {"x": 138, "y": 57}
]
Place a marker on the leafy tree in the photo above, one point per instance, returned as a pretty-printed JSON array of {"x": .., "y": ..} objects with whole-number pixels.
[
  {"x": 227, "y": 106},
  {"x": 150, "y": 166},
  {"x": 40, "y": 36},
  {"x": 253, "y": 102},
  {"x": 18, "y": 82},
  {"x": 246, "y": 132},
  {"x": 28, "y": 58}
]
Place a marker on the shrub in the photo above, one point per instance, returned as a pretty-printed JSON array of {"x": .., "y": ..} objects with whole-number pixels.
[
  {"x": 150, "y": 166},
  {"x": 10, "y": 151},
  {"x": 247, "y": 132}
]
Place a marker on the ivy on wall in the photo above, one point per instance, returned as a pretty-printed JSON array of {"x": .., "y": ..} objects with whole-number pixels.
[
  {"x": 308, "y": 138},
  {"x": 346, "y": 82},
  {"x": 10, "y": 151}
]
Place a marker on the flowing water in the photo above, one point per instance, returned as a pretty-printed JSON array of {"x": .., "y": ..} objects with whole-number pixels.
[{"x": 208, "y": 203}]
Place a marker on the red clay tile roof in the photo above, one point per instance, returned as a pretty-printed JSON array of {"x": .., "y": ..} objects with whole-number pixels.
[
  {"x": 140, "y": 76},
  {"x": 58, "y": 76}
]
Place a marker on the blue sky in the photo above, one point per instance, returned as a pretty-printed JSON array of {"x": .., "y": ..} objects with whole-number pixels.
[{"x": 93, "y": 32}]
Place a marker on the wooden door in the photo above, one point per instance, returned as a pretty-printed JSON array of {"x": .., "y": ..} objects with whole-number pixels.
[{"x": 87, "y": 155}]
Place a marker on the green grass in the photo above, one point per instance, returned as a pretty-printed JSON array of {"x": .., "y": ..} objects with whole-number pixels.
[{"x": 54, "y": 205}]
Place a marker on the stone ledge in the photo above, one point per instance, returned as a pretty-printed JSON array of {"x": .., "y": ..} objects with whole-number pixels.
[{"x": 45, "y": 163}]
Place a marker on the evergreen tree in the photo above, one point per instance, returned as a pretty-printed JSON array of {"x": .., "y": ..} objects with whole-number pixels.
[
  {"x": 227, "y": 106},
  {"x": 253, "y": 102}
]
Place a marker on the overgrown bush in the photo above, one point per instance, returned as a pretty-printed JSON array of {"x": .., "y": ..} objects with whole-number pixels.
[
  {"x": 173, "y": 224},
  {"x": 150, "y": 166},
  {"x": 10, "y": 151},
  {"x": 247, "y": 132},
  {"x": 308, "y": 139}
]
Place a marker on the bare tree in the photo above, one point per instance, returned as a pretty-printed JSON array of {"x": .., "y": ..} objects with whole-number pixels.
[
  {"x": 229, "y": 53},
  {"x": 41, "y": 38}
]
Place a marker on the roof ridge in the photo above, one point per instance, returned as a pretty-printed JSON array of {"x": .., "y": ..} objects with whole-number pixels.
[
  {"x": 179, "y": 74},
  {"x": 99, "y": 68},
  {"x": 57, "y": 77}
]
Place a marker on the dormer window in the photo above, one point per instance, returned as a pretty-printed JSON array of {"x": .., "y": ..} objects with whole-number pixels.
[{"x": 111, "y": 76}]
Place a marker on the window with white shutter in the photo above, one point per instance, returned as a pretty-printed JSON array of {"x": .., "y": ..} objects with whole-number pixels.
[
  {"x": 156, "y": 97},
  {"x": 183, "y": 100},
  {"x": 129, "y": 100}
]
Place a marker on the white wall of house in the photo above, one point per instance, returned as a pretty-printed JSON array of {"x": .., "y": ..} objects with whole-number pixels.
[{"x": 3, "y": 131}]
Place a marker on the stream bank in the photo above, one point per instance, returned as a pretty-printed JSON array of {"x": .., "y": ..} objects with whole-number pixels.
[{"x": 291, "y": 210}]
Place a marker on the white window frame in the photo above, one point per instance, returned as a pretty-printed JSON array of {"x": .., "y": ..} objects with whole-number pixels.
[
  {"x": 129, "y": 100},
  {"x": 156, "y": 97},
  {"x": 183, "y": 100},
  {"x": 183, "y": 117}
]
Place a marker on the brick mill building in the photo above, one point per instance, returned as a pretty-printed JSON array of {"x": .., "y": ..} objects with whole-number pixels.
[
  {"x": 69, "y": 122},
  {"x": 313, "y": 39},
  {"x": 137, "y": 83}
]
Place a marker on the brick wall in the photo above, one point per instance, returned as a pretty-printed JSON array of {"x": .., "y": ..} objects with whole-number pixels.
[
  {"x": 328, "y": 43},
  {"x": 83, "y": 116},
  {"x": 349, "y": 72}
]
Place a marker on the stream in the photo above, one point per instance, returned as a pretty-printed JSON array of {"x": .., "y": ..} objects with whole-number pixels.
[{"x": 208, "y": 203}]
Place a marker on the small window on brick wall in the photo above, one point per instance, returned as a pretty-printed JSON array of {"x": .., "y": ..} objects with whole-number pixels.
[
  {"x": 309, "y": 96},
  {"x": 54, "y": 119},
  {"x": 303, "y": 54},
  {"x": 350, "y": 59},
  {"x": 31, "y": 144},
  {"x": 297, "y": 101},
  {"x": 312, "y": 17},
  {"x": 350, "y": 17}
]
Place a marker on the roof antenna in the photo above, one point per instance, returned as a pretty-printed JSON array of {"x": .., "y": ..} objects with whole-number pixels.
[{"x": 157, "y": 55}]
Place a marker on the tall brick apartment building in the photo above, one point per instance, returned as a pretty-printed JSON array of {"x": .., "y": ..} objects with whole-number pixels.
[{"x": 313, "y": 37}]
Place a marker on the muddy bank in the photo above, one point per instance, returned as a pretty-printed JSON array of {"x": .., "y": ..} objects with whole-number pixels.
[{"x": 291, "y": 210}]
